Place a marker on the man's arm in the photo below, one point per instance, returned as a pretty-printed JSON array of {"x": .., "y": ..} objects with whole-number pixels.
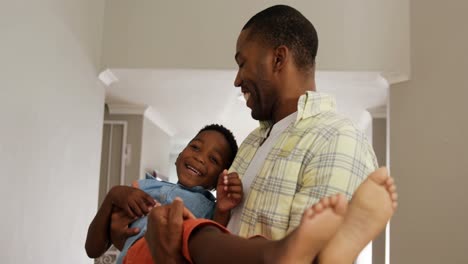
[
  {"x": 164, "y": 232},
  {"x": 340, "y": 166}
]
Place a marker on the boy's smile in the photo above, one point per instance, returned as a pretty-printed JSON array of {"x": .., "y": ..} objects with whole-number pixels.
[
  {"x": 193, "y": 170},
  {"x": 203, "y": 159}
]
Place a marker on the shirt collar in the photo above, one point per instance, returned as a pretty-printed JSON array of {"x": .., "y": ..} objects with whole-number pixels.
[
  {"x": 199, "y": 189},
  {"x": 309, "y": 104},
  {"x": 312, "y": 104}
]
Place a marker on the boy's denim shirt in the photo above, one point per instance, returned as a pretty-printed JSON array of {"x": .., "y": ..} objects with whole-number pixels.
[{"x": 198, "y": 200}]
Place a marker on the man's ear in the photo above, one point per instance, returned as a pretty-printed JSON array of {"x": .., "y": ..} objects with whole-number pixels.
[{"x": 281, "y": 57}]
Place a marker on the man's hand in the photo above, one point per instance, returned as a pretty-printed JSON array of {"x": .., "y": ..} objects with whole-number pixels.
[
  {"x": 164, "y": 232},
  {"x": 229, "y": 191},
  {"x": 133, "y": 201},
  {"x": 119, "y": 230}
]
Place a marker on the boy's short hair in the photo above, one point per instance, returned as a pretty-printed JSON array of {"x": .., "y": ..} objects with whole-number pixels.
[{"x": 228, "y": 136}]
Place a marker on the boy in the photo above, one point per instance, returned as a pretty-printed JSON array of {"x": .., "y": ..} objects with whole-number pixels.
[{"x": 198, "y": 166}]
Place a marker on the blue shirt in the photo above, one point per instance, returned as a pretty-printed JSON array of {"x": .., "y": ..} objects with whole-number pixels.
[{"x": 198, "y": 200}]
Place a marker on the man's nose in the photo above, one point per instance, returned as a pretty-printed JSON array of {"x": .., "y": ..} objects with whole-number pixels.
[{"x": 238, "y": 80}]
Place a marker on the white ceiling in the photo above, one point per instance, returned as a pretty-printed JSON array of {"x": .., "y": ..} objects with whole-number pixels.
[{"x": 183, "y": 101}]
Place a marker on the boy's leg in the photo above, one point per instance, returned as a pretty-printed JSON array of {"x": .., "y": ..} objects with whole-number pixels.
[
  {"x": 211, "y": 244},
  {"x": 369, "y": 211},
  {"x": 139, "y": 253}
]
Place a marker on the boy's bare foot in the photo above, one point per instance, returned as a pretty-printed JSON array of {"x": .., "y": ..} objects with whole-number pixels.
[
  {"x": 369, "y": 211},
  {"x": 318, "y": 225}
]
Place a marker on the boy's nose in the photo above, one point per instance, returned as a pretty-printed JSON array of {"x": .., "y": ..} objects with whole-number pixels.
[{"x": 200, "y": 159}]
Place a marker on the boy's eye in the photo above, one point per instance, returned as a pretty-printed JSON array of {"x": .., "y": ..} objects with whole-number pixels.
[
  {"x": 214, "y": 160},
  {"x": 194, "y": 147}
]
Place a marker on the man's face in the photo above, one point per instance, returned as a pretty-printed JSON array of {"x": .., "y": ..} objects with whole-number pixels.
[
  {"x": 255, "y": 76},
  {"x": 203, "y": 159}
]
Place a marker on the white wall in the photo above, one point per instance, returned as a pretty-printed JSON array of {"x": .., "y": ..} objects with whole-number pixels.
[
  {"x": 134, "y": 143},
  {"x": 155, "y": 149},
  {"x": 354, "y": 35},
  {"x": 51, "y": 112},
  {"x": 429, "y": 139}
]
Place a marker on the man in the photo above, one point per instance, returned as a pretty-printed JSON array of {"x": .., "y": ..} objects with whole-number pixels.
[{"x": 302, "y": 151}]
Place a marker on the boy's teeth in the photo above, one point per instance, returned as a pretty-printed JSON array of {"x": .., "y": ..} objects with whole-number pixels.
[{"x": 193, "y": 169}]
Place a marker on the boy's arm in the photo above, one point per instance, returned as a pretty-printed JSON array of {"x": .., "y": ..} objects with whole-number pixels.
[
  {"x": 133, "y": 202},
  {"x": 97, "y": 240},
  {"x": 229, "y": 194},
  {"x": 119, "y": 228},
  {"x": 221, "y": 218}
]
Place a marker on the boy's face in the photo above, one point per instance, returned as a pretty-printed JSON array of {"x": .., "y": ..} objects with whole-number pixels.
[{"x": 203, "y": 159}]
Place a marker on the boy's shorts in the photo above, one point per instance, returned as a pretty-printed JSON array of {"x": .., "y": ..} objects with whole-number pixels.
[{"x": 139, "y": 253}]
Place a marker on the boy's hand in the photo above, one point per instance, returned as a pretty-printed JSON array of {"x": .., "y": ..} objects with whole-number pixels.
[
  {"x": 133, "y": 201},
  {"x": 229, "y": 191},
  {"x": 119, "y": 228}
]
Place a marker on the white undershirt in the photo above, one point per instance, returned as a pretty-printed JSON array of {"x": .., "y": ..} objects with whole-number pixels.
[{"x": 255, "y": 166}]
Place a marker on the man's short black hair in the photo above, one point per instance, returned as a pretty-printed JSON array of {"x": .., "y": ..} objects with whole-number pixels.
[
  {"x": 229, "y": 138},
  {"x": 283, "y": 25}
]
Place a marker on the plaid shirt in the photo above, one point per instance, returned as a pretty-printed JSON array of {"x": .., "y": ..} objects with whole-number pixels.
[{"x": 318, "y": 155}]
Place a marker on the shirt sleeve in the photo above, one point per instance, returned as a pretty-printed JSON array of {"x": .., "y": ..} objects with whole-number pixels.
[{"x": 339, "y": 166}]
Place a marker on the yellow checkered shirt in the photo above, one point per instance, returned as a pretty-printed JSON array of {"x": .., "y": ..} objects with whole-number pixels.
[{"x": 320, "y": 154}]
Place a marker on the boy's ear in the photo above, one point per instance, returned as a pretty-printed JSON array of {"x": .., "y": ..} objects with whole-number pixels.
[{"x": 281, "y": 57}]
